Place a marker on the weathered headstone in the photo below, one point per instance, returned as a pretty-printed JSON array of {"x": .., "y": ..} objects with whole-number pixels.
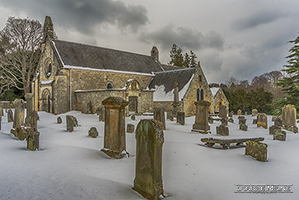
[
  {"x": 59, "y": 120},
  {"x": 280, "y": 136},
  {"x": 133, "y": 117},
  {"x": 231, "y": 113},
  {"x": 33, "y": 120},
  {"x": 201, "y": 118},
  {"x": 71, "y": 122},
  {"x": 273, "y": 129},
  {"x": 93, "y": 132},
  {"x": 257, "y": 150},
  {"x": 114, "y": 136},
  {"x": 239, "y": 112},
  {"x": 148, "y": 171},
  {"x": 9, "y": 116},
  {"x": 159, "y": 115},
  {"x": 180, "y": 118},
  {"x": 222, "y": 130},
  {"x": 1, "y": 111},
  {"x": 242, "y": 120},
  {"x": 245, "y": 113},
  {"x": 274, "y": 118},
  {"x": 169, "y": 115},
  {"x": 243, "y": 127},
  {"x": 19, "y": 112},
  {"x": 262, "y": 120},
  {"x": 222, "y": 111},
  {"x": 231, "y": 120},
  {"x": 254, "y": 112},
  {"x": 130, "y": 128},
  {"x": 289, "y": 115},
  {"x": 32, "y": 139},
  {"x": 278, "y": 121}
]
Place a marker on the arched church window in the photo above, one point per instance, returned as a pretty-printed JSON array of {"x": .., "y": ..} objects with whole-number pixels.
[
  {"x": 201, "y": 94},
  {"x": 109, "y": 86},
  {"x": 197, "y": 95}
]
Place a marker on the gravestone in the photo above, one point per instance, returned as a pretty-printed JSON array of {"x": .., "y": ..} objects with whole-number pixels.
[
  {"x": 231, "y": 113},
  {"x": 245, "y": 113},
  {"x": 148, "y": 170},
  {"x": 278, "y": 121},
  {"x": 71, "y": 122},
  {"x": 115, "y": 130},
  {"x": 231, "y": 120},
  {"x": 93, "y": 132},
  {"x": 222, "y": 111},
  {"x": 257, "y": 150},
  {"x": 32, "y": 139},
  {"x": 133, "y": 117},
  {"x": 262, "y": 120},
  {"x": 254, "y": 112},
  {"x": 180, "y": 118},
  {"x": 9, "y": 116},
  {"x": 281, "y": 136},
  {"x": 222, "y": 130},
  {"x": 59, "y": 120},
  {"x": 289, "y": 115},
  {"x": 19, "y": 112},
  {"x": 159, "y": 115},
  {"x": 224, "y": 121},
  {"x": 33, "y": 120},
  {"x": 273, "y": 129},
  {"x": 242, "y": 120},
  {"x": 274, "y": 118},
  {"x": 176, "y": 101},
  {"x": 1, "y": 112},
  {"x": 169, "y": 115},
  {"x": 239, "y": 112},
  {"x": 243, "y": 127},
  {"x": 201, "y": 118},
  {"x": 130, "y": 128}
]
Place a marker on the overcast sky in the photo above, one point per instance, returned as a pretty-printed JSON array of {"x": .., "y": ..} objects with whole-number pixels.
[{"x": 231, "y": 38}]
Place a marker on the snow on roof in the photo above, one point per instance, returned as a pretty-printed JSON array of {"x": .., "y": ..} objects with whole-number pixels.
[
  {"x": 46, "y": 82},
  {"x": 161, "y": 95},
  {"x": 107, "y": 70},
  {"x": 214, "y": 90}
]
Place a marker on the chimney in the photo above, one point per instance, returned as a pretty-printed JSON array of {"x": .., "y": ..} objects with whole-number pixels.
[{"x": 155, "y": 53}]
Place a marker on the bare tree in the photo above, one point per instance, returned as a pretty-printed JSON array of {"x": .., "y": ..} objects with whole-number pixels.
[{"x": 19, "y": 53}]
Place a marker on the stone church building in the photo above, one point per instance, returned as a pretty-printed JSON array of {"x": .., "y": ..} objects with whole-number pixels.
[{"x": 73, "y": 76}]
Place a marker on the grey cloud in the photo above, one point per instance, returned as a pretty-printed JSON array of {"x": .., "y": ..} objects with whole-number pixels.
[
  {"x": 84, "y": 15},
  {"x": 256, "y": 19},
  {"x": 184, "y": 37}
]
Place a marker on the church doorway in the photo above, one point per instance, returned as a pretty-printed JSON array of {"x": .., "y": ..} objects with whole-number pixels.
[
  {"x": 46, "y": 101},
  {"x": 133, "y": 104}
]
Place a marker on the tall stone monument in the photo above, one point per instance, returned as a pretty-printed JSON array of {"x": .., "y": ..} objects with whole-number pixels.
[
  {"x": 115, "y": 130},
  {"x": 19, "y": 112},
  {"x": 148, "y": 171},
  {"x": 201, "y": 118},
  {"x": 176, "y": 100}
]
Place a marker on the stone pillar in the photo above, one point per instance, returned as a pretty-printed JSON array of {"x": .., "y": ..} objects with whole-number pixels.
[
  {"x": 176, "y": 101},
  {"x": 115, "y": 130},
  {"x": 289, "y": 115},
  {"x": 262, "y": 120},
  {"x": 201, "y": 118},
  {"x": 19, "y": 112},
  {"x": 159, "y": 115},
  {"x": 32, "y": 139},
  {"x": 148, "y": 171}
]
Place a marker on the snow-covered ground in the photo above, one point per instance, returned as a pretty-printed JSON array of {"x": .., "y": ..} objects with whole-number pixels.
[{"x": 71, "y": 165}]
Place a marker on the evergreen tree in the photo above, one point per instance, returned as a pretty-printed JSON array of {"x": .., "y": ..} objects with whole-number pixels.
[
  {"x": 176, "y": 56},
  {"x": 187, "y": 60},
  {"x": 193, "y": 61},
  {"x": 290, "y": 83}
]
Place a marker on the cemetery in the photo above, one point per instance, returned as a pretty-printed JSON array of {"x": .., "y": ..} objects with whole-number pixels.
[{"x": 77, "y": 155}]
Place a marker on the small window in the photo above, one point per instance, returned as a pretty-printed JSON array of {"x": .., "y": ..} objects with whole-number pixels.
[
  {"x": 109, "y": 86},
  {"x": 199, "y": 78},
  {"x": 202, "y": 95}
]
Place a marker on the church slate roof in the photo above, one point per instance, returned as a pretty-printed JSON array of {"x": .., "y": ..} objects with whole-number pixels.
[
  {"x": 86, "y": 56},
  {"x": 168, "y": 78}
]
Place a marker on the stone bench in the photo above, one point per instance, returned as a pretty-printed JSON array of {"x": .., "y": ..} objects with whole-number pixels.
[{"x": 225, "y": 143}]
